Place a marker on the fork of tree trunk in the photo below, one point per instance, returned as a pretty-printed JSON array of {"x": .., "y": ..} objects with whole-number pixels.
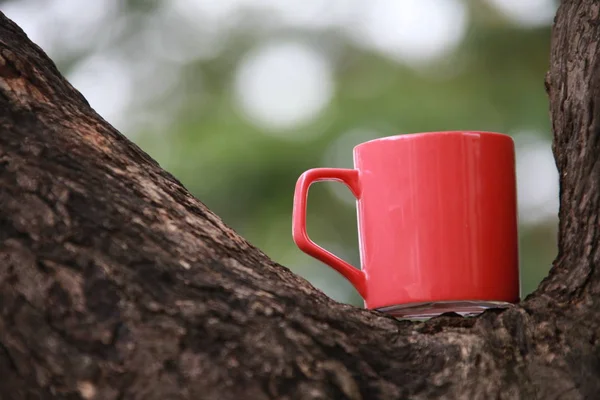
[{"x": 116, "y": 283}]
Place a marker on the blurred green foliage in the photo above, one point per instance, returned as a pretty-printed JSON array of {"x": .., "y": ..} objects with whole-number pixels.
[{"x": 493, "y": 82}]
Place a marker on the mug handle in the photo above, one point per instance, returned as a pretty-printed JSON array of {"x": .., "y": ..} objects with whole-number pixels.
[{"x": 348, "y": 176}]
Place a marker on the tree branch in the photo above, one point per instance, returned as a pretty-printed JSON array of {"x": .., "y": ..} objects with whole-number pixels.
[
  {"x": 115, "y": 282},
  {"x": 573, "y": 86}
]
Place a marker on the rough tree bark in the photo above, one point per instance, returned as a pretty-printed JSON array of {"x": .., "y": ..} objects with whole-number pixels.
[{"x": 116, "y": 283}]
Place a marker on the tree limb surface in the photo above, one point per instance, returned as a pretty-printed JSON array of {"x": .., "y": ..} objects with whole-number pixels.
[{"x": 116, "y": 283}]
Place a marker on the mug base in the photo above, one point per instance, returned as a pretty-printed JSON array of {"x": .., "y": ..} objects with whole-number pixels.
[{"x": 426, "y": 310}]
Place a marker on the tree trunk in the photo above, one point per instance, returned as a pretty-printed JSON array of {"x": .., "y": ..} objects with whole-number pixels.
[{"x": 116, "y": 283}]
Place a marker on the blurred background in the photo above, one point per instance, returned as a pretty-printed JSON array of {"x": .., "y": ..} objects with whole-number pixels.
[{"x": 237, "y": 98}]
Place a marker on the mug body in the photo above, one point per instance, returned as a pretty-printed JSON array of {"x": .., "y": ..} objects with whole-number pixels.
[{"x": 437, "y": 216}]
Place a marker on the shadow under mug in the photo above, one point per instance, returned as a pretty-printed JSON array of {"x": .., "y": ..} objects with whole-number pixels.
[{"x": 437, "y": 220}]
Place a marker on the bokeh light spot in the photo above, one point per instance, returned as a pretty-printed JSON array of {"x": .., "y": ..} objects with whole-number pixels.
[
  {"x": 527, "y": 12},
  {"x": 106, "y": 84},
  {"x": 537, "y": 179},
  {"x": 281, "y": 85},
  {"x": 412, "y": 31}
]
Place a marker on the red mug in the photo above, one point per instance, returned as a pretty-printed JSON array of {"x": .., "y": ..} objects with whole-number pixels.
[{"x": 437, "y": 220}]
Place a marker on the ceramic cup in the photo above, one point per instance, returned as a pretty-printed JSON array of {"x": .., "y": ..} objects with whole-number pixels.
[{"x": 437, "y": 221}]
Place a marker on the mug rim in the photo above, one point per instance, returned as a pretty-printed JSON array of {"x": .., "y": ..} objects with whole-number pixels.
[{"x": 408, "y": 136}]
